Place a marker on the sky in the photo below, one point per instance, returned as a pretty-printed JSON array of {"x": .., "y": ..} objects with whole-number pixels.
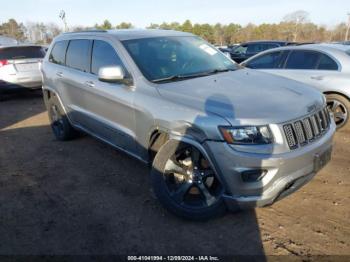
[{"x": 142, "y": 13}]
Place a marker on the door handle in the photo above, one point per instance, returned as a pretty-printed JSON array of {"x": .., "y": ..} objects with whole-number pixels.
[
  {"x": 89, "y": 83},
  {"x": 59, "y": 74},
  {"x": 317, "y": 77}
]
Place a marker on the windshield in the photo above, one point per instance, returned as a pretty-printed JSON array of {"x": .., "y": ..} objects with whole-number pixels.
[{"x": 176, "y": 57}]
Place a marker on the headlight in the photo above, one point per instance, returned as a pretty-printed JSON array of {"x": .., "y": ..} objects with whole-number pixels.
[{"x": 247, "y": 135}]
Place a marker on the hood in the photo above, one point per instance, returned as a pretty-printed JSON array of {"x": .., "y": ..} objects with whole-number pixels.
[{"x": 245, "y": 97}]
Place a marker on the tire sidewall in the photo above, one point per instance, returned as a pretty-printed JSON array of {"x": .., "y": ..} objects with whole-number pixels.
[
  {"x": 67, "y": 130},
  {"x": 346, "y": 103},
  {"x": 160, "y": 190}
]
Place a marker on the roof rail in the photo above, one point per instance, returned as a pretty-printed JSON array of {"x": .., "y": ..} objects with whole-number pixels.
[{"x": 88, "y": 31}]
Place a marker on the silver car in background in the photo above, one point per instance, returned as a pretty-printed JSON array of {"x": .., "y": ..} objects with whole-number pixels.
[
  {"x": 19, "y": 67},
  {"x": 326, "y": 67},
  {"x": 217, "y": 136}
]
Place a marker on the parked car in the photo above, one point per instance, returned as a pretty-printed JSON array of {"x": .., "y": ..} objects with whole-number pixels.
[
  {"x": 7, "y": 41},
  {"x": 218, "y": 136},
  {"x": 326, "y": 67},
  {"x": 249, "y": 49},
  {"x": 343, "y": 43},
  {"x": 19, "y": 67}
]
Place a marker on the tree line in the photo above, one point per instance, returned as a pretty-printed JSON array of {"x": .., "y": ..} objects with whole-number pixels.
[{"x": 295, "y": 26}]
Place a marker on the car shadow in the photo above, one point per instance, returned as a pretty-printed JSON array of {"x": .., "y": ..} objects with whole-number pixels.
[
  {"x": 83, "y": 197},
  {"x": 20, "y": 105}
]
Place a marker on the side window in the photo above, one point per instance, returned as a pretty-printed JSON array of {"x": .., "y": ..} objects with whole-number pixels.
[
  {"x": 270, "y": 46},
  {"x": 268, "y": 61},
  {"x": 103, "y": 55},
  {"x": 302, "y": 59},
  {"x": 252, "y": 48},
  {"x": 327, "y": 63},
  {"x": 78, "y": 55},
  {"x": 58, "y": 53}
]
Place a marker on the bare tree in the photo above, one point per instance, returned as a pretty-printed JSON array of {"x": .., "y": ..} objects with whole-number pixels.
[
  {"x": 347, "y": 29},
  {"x": 36, "y": 32},
  {"x": 297, "y": 18}
]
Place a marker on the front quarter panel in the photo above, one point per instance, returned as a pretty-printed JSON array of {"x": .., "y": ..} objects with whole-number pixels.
[{"x": 153, "y": 112}]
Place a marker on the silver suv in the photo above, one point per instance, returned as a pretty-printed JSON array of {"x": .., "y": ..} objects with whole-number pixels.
[{"x": 218, "y": 136}]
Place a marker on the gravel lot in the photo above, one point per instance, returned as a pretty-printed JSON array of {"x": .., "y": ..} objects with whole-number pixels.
[{"x": 84, "y": 197}]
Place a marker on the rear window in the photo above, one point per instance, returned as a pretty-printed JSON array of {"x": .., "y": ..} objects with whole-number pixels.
[
  {"x": 302, "y": 60},
  {"x": 13, "y": 53},
  {"x": 78, "y": 55},
  {"x": 327, "y": 63},
  {"x": 58, "y": 53}
]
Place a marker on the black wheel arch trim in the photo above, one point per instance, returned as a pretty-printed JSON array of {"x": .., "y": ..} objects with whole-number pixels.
[{"x": 336, "y": 93}]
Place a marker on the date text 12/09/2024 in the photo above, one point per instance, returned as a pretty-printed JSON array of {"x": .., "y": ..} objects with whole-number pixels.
[{"x": 173, "y": 258}]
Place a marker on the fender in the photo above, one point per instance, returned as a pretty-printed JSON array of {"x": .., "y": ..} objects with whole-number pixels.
[{"x": 59, "y": 100}]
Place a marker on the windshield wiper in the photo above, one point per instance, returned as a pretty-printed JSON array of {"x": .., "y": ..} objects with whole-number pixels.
[
  {"x": 178, "y": 77},
  {"x": 183, "y": 77},
  {"x": 216, "y": 71}
]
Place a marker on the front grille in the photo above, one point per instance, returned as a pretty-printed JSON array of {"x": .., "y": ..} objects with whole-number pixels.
[{"x": 305, "y": 131}]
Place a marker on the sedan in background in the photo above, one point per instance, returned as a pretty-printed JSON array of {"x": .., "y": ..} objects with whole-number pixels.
[
  {"x": 323, "y": 66},
  {"x": 19, "y": 67},
  {"x": 249, "y": 49}
]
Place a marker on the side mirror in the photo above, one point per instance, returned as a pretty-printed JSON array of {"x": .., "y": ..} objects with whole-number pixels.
[{"x": 112, "y": 74}]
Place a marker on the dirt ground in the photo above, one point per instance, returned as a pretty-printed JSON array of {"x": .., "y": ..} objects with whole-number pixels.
[{"x": 84, "y": 197}]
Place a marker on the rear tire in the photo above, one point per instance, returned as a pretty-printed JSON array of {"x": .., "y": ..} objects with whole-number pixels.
[
  {"x": 193, "y": 191},
  {"x": 340, "y": 107},
  {"x": 59, "y": 122}
]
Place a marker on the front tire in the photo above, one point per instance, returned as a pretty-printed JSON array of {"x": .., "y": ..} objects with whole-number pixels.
[
  {"x": 340, "y": 107},
  {"x": 185, "y": 183},
  {"x": 59, "y": 122}
]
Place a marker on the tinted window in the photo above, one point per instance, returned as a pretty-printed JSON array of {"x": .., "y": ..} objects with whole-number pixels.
[
  {"x": 13, "y": 53},
  {"x": 302, "y": 60},
  {"x": 327, "y": 63},
  {"x": 253, "y": 48},
  {"x": 271, "y": 60},
  {"x": 103, "y": 55},
  {"x": 257, "y": 48},
  {"x": 58, "y": 53},
  {"x": 78, "y": 55},
  {"x": 271, "y": 45}
]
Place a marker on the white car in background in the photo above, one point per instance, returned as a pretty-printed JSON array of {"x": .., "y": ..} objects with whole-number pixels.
[
  {"x": 19, "y": 67},
  {"x": 323, "y": 66}
]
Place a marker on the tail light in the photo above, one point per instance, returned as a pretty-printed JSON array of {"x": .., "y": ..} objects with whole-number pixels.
[{"x": 3, "y": 63}]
